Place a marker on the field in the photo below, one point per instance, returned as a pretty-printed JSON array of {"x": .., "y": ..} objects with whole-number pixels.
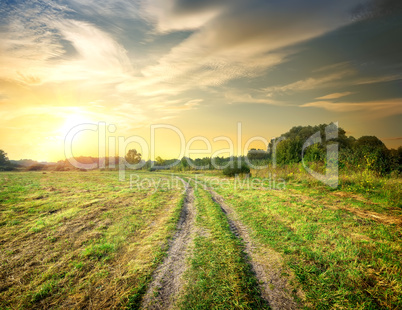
[
  {"x": 73, "y": 240},
  {"x": 198, "y": 241}
]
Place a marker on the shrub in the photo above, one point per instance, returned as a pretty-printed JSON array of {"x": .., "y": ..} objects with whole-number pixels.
[
  {"x": 36, "y": 167},
  {"x": 236, "y": 169}
]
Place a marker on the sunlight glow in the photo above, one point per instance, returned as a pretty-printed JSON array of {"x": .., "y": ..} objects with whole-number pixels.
[{"x": 72, "y": 120}]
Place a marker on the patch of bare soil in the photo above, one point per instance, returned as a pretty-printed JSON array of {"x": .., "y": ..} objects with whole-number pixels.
[
  {"x": 266, "y": 263},
  {"x": 378, "y": 217},
  {"x": 382, "y": 218},
  {"x": 31, "y": 252},
  {"x": 167, "y": 279}
]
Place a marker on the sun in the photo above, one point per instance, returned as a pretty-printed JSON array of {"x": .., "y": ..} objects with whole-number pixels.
[{"x": 71, "y": 121}]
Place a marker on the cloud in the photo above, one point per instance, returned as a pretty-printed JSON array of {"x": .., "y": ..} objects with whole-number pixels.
[
  {"x": 234, "y": 39},
  {"x": 378, "y": 79},
  {"x": 189, "y": 105},
  {"x": 173, "y": 15},
  {"x": 27, "y": 42},
  {"x": 380, "y": 108},
  {"x": 376, "y": 8},
  {"x": 106, "y": 8},
  {"x": 230, "y": 40},
  {"x": 237, "y": 97},
  {"x": 99, "y": 55},
  {"x": 313, "y": 82},
  {"x": 3, "y": 96},
  {"x": 335, "y": 95},
  {"x": 33, "y": 51}
]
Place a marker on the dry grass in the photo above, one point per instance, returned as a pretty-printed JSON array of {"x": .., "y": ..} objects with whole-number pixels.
[
  {"x": 86, "y": 240},
  {"x": 343, "y": 245},
  {"x": 77, "y": 240}
]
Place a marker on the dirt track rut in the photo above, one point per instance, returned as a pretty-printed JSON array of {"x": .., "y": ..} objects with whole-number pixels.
[
  {"x": 266, "y": 265},
  {"x": 167, "y": 280}
]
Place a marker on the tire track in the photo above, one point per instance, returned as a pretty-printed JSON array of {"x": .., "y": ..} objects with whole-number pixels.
[
  {"x": 275, "y": 289},
  {"x": 167, "y": 279}
]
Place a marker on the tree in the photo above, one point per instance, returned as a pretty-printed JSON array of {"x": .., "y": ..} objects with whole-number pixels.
[
  {"x": 184, "y": 162},
  {"x": 257, "y": 154},
  {"x": 3, "y": 158},
  {"x": 237, "y": 169},
  {"x": 289, "y": 151},
  {"x": 372, "y": 152},
  {"x": 159, "y": 161},
  {"x": 133, "y": 157},
  {"x": 396, "y": 159},
  {"x": 5, "y": 164},
  {"x": 314, "y": 153},
  {"x": 399, "y": 158}
]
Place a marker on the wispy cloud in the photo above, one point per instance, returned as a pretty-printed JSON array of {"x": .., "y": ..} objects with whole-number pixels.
[
  {"x": 381, "y": 108},
  {"x": 32, "y": 51},
  {"x": 232, "y": 39},
  {"x": 191, "y": 104},
  {"x": 133, "y": 62},
  {"x": 335, "y": 95},
  {"x": 105, "y": 8},
  {"x": 240, "y": 97},
  {"x": 313, "y": 82},
  {"x": 378, "y": 79},
  {"x": 99, "y": 55},
  {"x": 172, "y": 15},
  {"x": 376, "y": 8}
]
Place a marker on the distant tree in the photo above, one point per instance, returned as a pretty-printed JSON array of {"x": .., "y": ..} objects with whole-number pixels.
[
  {"x": 399, "y": 158},
  {"x": 314, "y": 153},
  {"x": 133, "y": 157},
  {"x": 257, "y": 154},
  {"x": 289, "y": 151},
  {"x": 370, "y": 143},
  {"x": 184, "y": 162},
  {"x": 237, "y": 169},
  {"x": 36, "y": 167},
  {"x": 372, "y": 151},
  {"x": 396, "y": 159},
  {"x": 3, "y": 158},
  {"x": 202, "y": 163},
  {"x": 159, "y": 161}
]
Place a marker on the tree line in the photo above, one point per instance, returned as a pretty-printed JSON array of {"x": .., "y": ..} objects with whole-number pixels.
[{"x": 367, "y": 152}]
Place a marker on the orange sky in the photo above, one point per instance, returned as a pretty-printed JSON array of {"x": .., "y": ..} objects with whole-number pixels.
[{"x": 201, "y": 67}]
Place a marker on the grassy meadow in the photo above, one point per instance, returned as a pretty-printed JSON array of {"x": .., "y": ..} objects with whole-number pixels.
[
  {"x": 218, "y": 276},
  {"x": 343, "y": 246},
  {"x": 80, "y": 239},
  {"x": 86, "y": 240}
]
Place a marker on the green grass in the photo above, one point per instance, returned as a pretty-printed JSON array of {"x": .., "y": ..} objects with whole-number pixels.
[
  {"x": 75, "y": 239},
  {"x": 218, "y": 276},
  {"x": 383, "y": 190},
  {"x": 340, "y": 255},
  {"x": 71, "y": 239}
]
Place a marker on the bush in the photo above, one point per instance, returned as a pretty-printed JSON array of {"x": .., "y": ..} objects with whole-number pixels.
[
  {"x": 7, "y": 168},
  {"x": 36, "y": 167},
  {"x": 236, "y": 169}
]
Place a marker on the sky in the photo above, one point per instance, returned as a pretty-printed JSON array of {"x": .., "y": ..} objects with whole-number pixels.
[{"x": 203, "y": 67}]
